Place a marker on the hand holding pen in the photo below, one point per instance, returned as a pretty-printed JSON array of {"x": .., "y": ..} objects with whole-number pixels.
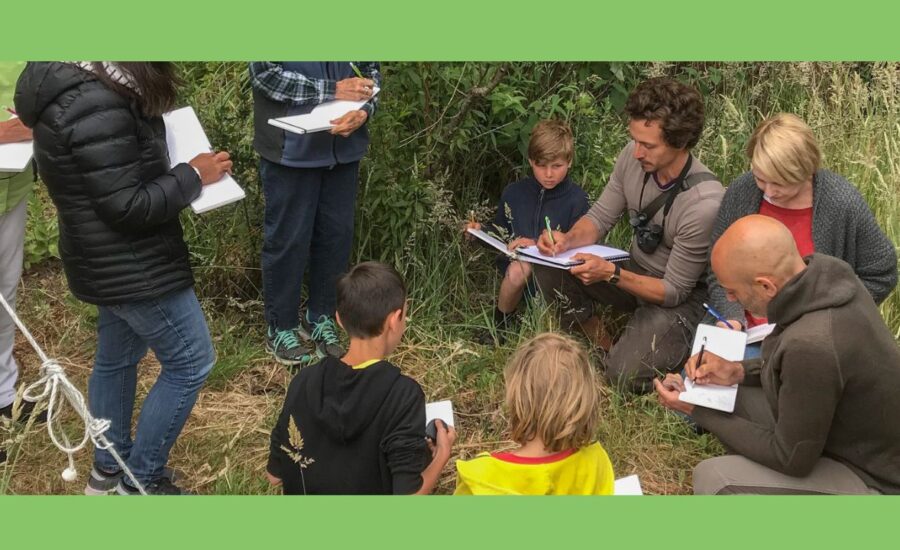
[{"x": 722, "y": 321}]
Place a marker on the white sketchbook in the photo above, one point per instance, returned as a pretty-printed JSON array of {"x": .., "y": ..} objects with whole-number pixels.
[
  {"x": 531, "y": 254},
  {"x": 759, "y": 333},
  {"x": 14, "y": 157},
  {"x": 629, "y": 485},
  {"x": 186, "y": 139},
  {"x": 439, "y": 409},
  {"x": 564, "y": 259},
  {"x": 319, "y": 119},
  {"x": 727, "y": 344}
]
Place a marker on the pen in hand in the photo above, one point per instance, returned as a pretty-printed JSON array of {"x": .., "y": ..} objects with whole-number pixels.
[
  {"x": 356, "y": 70},
  {"x": 550, "y": 233},
  {"x": 717, "y": 315},
  {"x": 700, "y": 357}
]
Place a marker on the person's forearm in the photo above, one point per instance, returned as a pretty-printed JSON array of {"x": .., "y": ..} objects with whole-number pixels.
[
  {"x": 583, "y": 233},
  {"x": 649, "y": 289},
  {"x": 432, "y": 473}
]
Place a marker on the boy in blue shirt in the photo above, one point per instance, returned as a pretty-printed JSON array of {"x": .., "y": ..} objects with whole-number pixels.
[{"x": 524, "y": 205}]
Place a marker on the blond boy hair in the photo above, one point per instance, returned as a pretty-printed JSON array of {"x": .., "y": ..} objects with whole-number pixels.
[
  {"x": 551, "y": 140},
  {"x": 551, "y": 393},
  {"x": 784, "y": 149}
]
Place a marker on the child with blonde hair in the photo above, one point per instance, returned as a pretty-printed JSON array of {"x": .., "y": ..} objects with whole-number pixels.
[{"x": 552, "y": 400}]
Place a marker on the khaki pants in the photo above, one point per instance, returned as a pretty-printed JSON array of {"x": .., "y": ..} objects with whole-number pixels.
[
  {"x": 12, "y": 237},
  {"x": 656, "y": 339},
  {"x": 737, "y": 475}
]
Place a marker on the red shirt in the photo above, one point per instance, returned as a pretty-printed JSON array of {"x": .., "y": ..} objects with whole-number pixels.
[{"x": 799, "y": 221}]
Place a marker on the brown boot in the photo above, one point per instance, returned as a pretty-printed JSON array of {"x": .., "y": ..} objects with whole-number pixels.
[{"x": 596, "y": 333}]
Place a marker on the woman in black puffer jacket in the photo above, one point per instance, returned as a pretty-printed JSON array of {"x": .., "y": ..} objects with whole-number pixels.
[{"x": 100, "y": 147}]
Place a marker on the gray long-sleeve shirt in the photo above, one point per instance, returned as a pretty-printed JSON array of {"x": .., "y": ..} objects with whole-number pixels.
[{"x": 681, "y": 258}]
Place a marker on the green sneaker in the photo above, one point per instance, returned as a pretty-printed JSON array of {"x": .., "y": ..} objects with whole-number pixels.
[
  {"x": 324, "y": 333},
  {"x": 287, "y": 347}
]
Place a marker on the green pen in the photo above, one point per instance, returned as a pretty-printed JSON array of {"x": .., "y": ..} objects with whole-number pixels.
[
  {"x": 549, "y": 231},
  {"x": 356, "y": 70}
]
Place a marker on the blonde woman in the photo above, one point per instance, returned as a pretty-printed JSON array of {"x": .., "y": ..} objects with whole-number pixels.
[
  {"x": 552, "y": 401},
  {"x": 824, "y": 211}
]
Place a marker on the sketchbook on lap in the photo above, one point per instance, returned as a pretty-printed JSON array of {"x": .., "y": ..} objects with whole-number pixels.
[
  {"x": 561, "y": 261},
  {"x": 186, "y": 139},
  {"x": 319, "y": 119},
  {"x": 727, "y": 344}
]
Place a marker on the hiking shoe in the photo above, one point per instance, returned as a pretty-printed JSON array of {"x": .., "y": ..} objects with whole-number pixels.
[
  {"x": 26, "y": 409},
  {"x": 288, "y": 348},
  {"x": 324, "y": 333},
  {"x": 102, "y": 482},
  {"x": 159, "y": 486}
]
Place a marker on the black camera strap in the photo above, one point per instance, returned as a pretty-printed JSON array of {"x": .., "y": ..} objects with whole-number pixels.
[{"x": 682, "y": 183}]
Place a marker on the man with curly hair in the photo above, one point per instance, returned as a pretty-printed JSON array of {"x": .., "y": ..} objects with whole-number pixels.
[{"x": 671, "y": 200}]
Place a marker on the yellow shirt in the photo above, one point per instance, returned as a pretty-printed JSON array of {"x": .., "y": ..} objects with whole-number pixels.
[{"x": 586, "y": 471}]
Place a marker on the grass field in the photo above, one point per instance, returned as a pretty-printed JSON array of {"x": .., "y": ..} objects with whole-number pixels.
[{"x": 853, "y": 109}]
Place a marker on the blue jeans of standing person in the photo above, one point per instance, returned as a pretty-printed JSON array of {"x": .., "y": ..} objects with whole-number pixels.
[
  {"x": 308, "y": 221},
  {"x": 174, "y": 327}
]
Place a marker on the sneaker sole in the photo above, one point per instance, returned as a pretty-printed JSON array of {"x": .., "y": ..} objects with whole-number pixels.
[
  {"x": 91, "y": 492},
  {"x": 286, "y": 362}
]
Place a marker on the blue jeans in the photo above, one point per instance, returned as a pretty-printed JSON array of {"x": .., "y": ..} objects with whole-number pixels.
[
  {"x": 308, "y": 220},
  {"x": 172, "y": 326}
]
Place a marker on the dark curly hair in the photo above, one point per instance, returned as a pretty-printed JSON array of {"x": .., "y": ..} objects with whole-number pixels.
[{"x": 678, "y": 108}]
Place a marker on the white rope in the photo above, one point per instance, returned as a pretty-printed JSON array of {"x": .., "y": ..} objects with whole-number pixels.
[{"x": 59, "y": 390}]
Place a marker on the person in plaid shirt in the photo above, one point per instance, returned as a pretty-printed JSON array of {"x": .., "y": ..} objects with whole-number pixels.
[{"x": 309, "y": 183}]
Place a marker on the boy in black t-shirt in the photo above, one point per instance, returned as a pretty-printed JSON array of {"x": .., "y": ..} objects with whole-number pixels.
[{"x": 356, "y": 425}]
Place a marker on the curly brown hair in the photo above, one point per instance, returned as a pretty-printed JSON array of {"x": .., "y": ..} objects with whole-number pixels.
[{"x": 676, "y": 106}]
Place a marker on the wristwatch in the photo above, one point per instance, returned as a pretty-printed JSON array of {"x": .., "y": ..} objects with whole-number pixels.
[{"x": 614, "y": 278}]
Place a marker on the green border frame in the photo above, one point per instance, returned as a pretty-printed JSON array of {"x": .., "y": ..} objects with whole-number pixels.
[
  {"x": 476, "y": 30},
  {"x": 459, "y": 30}
]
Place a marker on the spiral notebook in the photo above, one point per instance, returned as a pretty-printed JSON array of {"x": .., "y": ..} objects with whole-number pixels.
[{"x": 319, "y": 119}]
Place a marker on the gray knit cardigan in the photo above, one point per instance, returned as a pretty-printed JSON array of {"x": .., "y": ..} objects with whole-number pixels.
[{"x": 843, "y": 226}]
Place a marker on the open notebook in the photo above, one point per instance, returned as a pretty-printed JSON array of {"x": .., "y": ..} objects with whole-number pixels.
[
  {"x": 727, "y": 344},
  {"x": 564, "y": 259},
  {"x": 186, "y": 139},
  {"x": 531, "y": 254},
  {"x": 319, "y": 119}
]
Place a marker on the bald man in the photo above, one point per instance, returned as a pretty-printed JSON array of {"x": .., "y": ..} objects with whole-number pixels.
[{"x": 819, "y": 412}]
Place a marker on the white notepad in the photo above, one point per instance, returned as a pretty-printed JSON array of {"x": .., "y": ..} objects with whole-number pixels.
[
  {"x": 727, "y": 344},
  {"x": 629, "y": 485},
  {"x": 439, "y": 409},
  {"x": 564, "y": 259},
  {"x": 319, "y": 119},
  {"x": 186, "y": 139},
  {"x": 759, "y": 332}
]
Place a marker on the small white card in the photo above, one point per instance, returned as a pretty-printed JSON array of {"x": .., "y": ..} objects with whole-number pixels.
[
  {"x": 439, "y": 409},
  {"x": 629, "y": 485}
]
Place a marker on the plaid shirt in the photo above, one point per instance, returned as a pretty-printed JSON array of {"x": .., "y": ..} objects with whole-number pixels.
[{"x": 292, "y": 87}]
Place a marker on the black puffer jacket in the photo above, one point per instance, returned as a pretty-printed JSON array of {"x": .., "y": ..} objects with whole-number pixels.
[{"x": 107, "y": 170}]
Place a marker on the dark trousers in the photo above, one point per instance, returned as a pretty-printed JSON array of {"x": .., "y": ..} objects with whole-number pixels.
[
  {"x": 656, "y": 339},
  {"x": 308, "y": 221}
]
